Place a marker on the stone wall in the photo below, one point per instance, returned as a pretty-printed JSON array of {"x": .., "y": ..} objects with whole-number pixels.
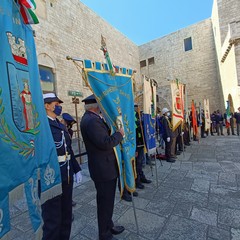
[
  {"x": 196, "y": 68},
  {"x": 70, "y": 28}
]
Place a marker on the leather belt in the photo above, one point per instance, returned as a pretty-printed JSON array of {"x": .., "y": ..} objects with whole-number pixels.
[{"x": 63, "y": 158}]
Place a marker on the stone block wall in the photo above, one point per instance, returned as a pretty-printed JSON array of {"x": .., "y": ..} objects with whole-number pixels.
[
  {"x": 69, "y": 28},
  {"x": 196, "y": 68}
]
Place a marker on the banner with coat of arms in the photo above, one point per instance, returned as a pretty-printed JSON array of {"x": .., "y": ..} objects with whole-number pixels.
[
  {"x": 28, "y": 152},
  {"x": 177, "y": 90},
  {"x": 113, "y": 90},
  {"x": 207, "y": 114},
  {"x": 149, "y": 114}
]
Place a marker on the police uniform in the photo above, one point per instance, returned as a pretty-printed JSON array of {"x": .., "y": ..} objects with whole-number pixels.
[
  {"x": 102, "y": 165},
  {"x": 57, "y": 212}
]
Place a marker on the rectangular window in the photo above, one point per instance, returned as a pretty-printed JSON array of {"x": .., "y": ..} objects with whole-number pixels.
[
  {"x": 188, "y": 44},
  {"x": 151, "y": 61},
  {"x": 143, "y": 63},
  {"x": 46, "y": 79}
]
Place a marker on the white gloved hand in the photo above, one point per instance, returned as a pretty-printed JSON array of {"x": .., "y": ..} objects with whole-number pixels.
[
  {"x": 168, "y": 139},
  {"x": 78, "y": 177},
  {"x": 182, "y": 133}
]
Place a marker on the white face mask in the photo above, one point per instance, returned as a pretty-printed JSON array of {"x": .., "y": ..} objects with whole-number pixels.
[{"x": 168, "y": 114}]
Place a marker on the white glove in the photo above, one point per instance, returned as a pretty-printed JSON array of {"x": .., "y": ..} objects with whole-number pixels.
[
  {"x": 78, "y": 177},
  {"x": 182, "y": 133},
  {"x": 168, "y": 139}
]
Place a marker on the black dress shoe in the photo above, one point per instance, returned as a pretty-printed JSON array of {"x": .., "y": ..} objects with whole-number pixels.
[
  {"x": 127, "y": 197},
  {"x": 144, "y": 180},
  {"x": 171, "y": 160},
  {"x": 135, "y": 194},
  {"x": 117, "y": 230},
  {"x": 139, "y": 185}
]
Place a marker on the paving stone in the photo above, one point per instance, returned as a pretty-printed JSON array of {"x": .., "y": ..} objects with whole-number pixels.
[
  {"x": 80, "y": 222},
  {"x": 163, "y": 208},
  {"x": 183, "y": 229},
  {"x": 196, "y": 198},
  {"x": 200, "y": 185},
  {"x": 149, "y": 229},
  {"x": 184, "y": 184},
  {"x": 229, "y": 166},
  {"x": 182, "y": 209},
  {"x": 229, "y": 217},
  {"x": 235, "y": 234},
  {"x": 218, "y": 233},
  {"x": 204, "y": 216}
]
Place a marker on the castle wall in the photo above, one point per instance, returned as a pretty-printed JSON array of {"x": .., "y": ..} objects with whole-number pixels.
[
  {"x": 196, "y": 68},
  {"x": 70, "y": 28}
]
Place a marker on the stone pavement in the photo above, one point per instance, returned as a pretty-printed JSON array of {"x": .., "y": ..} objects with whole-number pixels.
[{"x": 195, "y": 198}]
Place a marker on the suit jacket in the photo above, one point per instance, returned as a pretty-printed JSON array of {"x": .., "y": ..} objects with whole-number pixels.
[
  {"x": 102, "y": 162},
  {"x": 57, "y": 128},
  {"x": 167, "y": 131}
]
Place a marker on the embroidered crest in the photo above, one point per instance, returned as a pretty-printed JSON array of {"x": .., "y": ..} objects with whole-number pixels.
[{"x": 49, "y": 175}]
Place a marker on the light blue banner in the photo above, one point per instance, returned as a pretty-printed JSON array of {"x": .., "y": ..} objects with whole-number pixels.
[
  {"x": 27, "y": 149},
  {"x": 114, "y": 93}
]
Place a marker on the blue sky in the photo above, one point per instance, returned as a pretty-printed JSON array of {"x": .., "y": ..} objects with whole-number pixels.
[{"x": 145, "y": 20}]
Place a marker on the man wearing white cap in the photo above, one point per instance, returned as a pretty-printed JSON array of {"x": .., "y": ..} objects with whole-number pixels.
[
  {"x": 167, "y": 134},
  {"x": 57, "y": 212}
]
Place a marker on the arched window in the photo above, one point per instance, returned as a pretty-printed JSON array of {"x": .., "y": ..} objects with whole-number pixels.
[{"x": 46, "y": 79}]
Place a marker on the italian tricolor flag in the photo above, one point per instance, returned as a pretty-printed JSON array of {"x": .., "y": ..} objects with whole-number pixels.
[{"x": 26, "y": 9}]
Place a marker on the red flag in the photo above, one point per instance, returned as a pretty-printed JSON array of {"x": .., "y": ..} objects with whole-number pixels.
[{"x": 194, "y": 119}]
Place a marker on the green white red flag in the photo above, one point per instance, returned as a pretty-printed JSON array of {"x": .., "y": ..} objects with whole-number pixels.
[{"x": 26, "y": 10}]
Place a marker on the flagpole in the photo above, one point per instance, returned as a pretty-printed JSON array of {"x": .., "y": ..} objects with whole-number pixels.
[{"x": 135, "y": 214}]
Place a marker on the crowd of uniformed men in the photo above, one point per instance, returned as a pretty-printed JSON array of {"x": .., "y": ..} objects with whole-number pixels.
[{"x": 99, "y": 142}]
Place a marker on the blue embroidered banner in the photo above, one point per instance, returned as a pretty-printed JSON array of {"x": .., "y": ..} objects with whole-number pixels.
[
  {"x": 114, "y": 93},
  {"x": 149, "y": 114},
  {"x": 27, "y": 150}
]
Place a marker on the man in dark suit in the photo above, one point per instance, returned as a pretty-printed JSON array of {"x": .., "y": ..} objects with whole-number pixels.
[
  {"x": 57, "y": 212},
  {"x": 167, "y": 134},
  {"x": 102, "y": 164}
]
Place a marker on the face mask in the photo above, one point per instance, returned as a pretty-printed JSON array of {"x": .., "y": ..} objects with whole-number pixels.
[
  {"x": 57, "y": 110},
  {"x": 168, "y": 114}
]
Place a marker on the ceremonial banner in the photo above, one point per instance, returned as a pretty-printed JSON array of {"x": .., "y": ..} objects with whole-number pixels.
[
  {"x": 194, "y": 120},
  {"x": 207, "y": 114},
  {"x": 228, "y": 115},
  {"x": 177, "y": 90},
  {"x": 114, "y": 93},
  {"x": 149, "y": 114},
  {"x": 199, "y": 117},
  {"x": 27, "y": 149}
]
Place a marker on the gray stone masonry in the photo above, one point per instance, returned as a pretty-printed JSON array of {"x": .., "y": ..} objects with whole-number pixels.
[{"x": 195, "y": 198}]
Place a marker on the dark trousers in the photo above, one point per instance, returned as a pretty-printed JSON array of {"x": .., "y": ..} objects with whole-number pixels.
[
  {"x": 168, "y": 149},
  {"x": 139, "y": 160},
  {"x": 219, "y": 126},
  {"x": 105, "y": 204},
  {"x": 57, "y": 215}
]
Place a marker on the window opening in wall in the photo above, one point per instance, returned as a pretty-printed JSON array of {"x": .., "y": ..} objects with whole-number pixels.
[
  {"x": 47, "y": 79},
  {"x": 151, "y": 61},
  {"x": 143, "y": 63},
  {"x": 188, "y": 44}
]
